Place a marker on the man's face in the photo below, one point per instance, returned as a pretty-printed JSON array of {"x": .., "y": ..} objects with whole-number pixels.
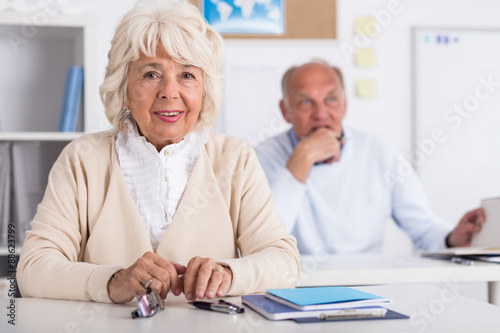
[{"x": 315, "y": 98}]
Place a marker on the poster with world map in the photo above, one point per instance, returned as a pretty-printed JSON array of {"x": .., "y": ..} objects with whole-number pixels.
[{"x": 245, "y": 16}]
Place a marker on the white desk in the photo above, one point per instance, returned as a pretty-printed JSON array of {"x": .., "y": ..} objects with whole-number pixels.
[
  {"x": 352, "y": 270},
  {"x": 431, "y": 310}
]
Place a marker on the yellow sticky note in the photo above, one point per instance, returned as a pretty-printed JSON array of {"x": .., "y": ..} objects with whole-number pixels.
[
  {"x": 365, "y": 57},
  {"x": 365, "y": 25},
  {"x": 366, "y": 88}
]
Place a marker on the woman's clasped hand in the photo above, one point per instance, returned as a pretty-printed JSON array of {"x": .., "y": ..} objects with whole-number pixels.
[{"x": 201, "y": 278}]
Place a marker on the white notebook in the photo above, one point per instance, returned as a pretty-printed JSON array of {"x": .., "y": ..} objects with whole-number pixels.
[{"x": 489, "y": 236}]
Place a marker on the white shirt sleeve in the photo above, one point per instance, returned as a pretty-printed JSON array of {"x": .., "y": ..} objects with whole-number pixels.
[
  {"x": 413, "y": 214},
  {"x": 288, "y": 192},
  {"x": 288, "y": 197}
]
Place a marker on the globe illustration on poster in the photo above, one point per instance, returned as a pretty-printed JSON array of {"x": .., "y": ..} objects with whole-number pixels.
[{"x": 245, "y": 16}]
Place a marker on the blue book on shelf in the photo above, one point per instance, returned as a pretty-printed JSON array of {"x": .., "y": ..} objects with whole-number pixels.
[{"x": 71, "y": 99}]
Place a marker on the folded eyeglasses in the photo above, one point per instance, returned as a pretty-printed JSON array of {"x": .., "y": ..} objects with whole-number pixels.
[{"x": 148, "y": 304}]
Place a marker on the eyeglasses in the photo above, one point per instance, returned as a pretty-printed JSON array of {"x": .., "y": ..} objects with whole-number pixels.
[{"x": 148, "y": 304}]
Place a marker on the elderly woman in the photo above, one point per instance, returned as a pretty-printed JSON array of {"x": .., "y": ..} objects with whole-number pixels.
[{"x": 158, "y": 201}]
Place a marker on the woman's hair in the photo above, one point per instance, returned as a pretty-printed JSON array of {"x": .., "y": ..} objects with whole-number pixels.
[{"x": 186, "y": 37}]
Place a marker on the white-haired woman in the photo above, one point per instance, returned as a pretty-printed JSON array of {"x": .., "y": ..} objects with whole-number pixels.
[{"x": 159, "y": 201}]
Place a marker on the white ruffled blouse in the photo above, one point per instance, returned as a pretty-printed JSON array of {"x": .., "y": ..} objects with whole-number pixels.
[{"x": 157, "y": 180}]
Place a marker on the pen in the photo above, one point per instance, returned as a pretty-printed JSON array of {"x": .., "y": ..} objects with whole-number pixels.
[
  {"x": 462, "y": 261},
  {"x": 215, "y": 307},
  {"x": 354, "y": 314},
  {"x": 239, "y": 309}
]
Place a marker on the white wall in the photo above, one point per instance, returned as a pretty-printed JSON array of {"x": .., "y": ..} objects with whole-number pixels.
[
  {"x": 390, "y": 115},
  {"x": 253, "y": 68},
  {"x": 107, "y": 13}
]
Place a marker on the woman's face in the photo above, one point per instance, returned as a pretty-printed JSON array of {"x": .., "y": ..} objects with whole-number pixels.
[{"x": 164, "y": 97}]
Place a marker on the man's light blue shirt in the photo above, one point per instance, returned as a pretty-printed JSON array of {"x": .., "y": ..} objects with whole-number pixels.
[{"x": 344, "y": 206}]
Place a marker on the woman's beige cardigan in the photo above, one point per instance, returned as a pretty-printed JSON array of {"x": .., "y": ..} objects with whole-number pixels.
[{"x": 87, "y": 226}]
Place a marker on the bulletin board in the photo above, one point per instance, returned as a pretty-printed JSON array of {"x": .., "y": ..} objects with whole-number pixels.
[
  {"x": 456, "y": 116},
  {"x": 311, "y": 19}
]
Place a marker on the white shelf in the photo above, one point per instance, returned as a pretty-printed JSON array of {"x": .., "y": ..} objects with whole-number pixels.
[
  {"x": 4, "y": 250},
  {"x": 36, "y": 50},
  {"x": 40, "y": 18},
  {"x": 39, "y": 136}
]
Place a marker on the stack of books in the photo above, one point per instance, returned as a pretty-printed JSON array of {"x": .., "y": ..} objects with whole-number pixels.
[{"x": 319, "y": 304}]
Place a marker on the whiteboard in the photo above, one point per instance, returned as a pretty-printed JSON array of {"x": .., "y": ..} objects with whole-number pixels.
[{"x": 456, "y": 116}]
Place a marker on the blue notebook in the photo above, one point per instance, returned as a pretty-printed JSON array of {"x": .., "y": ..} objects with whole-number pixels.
[
  {"x": 71, "y": 99},
  {"x": 325, "y": 298}
]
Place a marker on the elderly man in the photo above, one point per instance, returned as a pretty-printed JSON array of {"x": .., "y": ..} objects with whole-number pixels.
[{"x": 335, "y": 187}]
